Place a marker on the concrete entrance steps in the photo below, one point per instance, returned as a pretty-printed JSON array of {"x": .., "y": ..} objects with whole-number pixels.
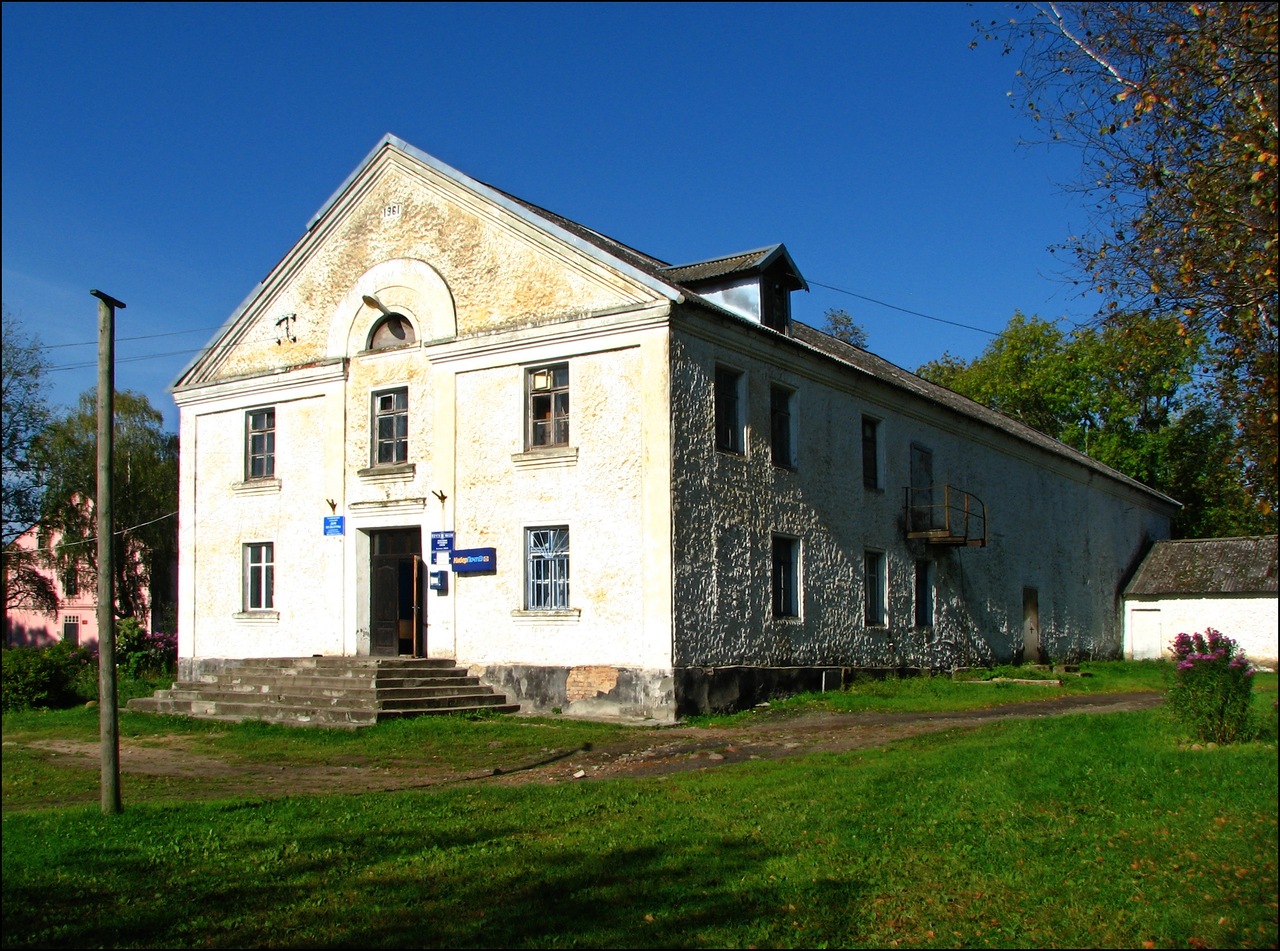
[{"x": 328, "y": 691}]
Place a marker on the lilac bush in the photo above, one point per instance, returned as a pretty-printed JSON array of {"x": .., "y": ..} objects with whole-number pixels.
[
  {"x": 143, "y": 653},
  {"x": 1212, "y": 690}
]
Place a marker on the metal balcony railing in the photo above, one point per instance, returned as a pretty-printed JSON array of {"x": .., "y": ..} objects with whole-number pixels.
[{"x": 945, "y": 515}]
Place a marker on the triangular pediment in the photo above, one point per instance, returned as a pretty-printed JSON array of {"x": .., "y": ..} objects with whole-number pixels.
[{"x": 457, "y": 258}]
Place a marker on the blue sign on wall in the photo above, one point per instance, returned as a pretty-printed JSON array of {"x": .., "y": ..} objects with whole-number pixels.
[
  {"x": 335, "y": 524},
  {"x": 442, "y": 541},
  {"x": 474, "y": 560}
]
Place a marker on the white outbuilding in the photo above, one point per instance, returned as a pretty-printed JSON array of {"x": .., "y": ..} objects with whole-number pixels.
[{"x": 1190, "y": 585}]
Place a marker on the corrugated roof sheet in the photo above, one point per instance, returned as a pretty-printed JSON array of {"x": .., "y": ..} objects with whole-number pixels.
[
  {"x": 719, "y": 267},
  {"x": 1208, "y": 566},
  {"x": 745, "y": 262},
  {"x": 882, "y": 369}
]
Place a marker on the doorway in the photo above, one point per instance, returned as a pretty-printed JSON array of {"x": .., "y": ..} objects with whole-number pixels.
[
  {"x": 1031, "y": 647},
  {"x": 396, "y": 606}
]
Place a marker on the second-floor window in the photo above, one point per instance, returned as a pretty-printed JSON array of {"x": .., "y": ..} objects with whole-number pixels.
[
  {"x": 730, "y": 423},
  {"x": 260, "y": 443},
  {"x": 391, "y": 427},
  {"x": 71, "y": 581},
  {"x": 548, "y": 406},
  {"x": 871, "y": 477},
  {"x": 780, "y": 431}
]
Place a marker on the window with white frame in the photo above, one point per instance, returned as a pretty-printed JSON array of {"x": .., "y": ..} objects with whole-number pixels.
[
  {"x": 259, "y": 576},
  {"x": 730, "y": 417},
  {"x": 547, "y": 568},
  {"x": 786, "y": 577},
  {"x": 391, "y": 427},
  {"x": 548, "y": 406},
  {"x": 781, "y": 439},
  {"x": 876, "y": 578},
  {"x": 924, "y": 593},
  {"x": 260, "y": 443}
]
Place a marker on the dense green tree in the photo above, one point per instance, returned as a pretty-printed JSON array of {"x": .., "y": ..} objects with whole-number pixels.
[
  {"x": 1173, "y": 108},
  {"x": 23, "y": 417},
  {"x": 1127, "y": 395},
  {"x": 145, "y": 496}
]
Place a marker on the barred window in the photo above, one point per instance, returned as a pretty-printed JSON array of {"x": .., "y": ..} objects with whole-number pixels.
[{"x": 547, "y": 568}]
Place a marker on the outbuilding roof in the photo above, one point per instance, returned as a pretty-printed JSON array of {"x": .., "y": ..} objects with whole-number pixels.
[{"x": 1205, "y": 566}]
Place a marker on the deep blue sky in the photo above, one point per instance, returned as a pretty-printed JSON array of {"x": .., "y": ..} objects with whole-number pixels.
[{"x": 170, "y": 154}]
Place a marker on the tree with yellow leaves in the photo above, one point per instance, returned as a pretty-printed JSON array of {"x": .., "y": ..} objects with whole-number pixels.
[{"x": 1173, "y": 107}]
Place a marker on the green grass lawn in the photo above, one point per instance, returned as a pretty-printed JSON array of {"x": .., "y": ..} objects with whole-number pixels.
[{"x": 1098, "y": 830}]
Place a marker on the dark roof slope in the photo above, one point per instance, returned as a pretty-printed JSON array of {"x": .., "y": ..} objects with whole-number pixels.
[
  {"x": 881, "y": 369},
  {"x": 1208, "y": 566}
]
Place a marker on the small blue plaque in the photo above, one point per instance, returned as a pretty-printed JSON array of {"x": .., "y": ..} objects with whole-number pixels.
[
  {"x": 442, "y": 541},
  {"x": 335, "y": 524}
]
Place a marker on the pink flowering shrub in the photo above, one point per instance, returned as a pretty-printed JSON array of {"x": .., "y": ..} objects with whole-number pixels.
[{"x": 1212, "y": 690}]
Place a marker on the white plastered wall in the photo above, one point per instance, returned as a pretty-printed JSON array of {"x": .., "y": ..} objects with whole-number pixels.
[{"x": 1251, "y": 621}]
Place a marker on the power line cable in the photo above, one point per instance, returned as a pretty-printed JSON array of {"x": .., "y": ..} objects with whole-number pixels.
[
  {"x": 94, "y": 538},
  {"x": 156, "y": 356},
  {"x": 94, "y": 343},
  {"x": 914, "y": 313}
]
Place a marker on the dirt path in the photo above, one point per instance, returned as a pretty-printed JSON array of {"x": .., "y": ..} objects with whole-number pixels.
[{"x": 644, "y": 753}]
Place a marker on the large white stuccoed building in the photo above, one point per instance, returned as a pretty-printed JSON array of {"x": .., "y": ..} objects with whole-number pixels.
[{"x": 676, "y": 496}]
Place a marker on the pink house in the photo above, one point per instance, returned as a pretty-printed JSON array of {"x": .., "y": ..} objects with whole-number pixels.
[{"x": 76, "y": 618}]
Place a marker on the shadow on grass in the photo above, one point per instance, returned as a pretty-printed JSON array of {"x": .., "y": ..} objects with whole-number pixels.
[{"x": 431, "y": 877}]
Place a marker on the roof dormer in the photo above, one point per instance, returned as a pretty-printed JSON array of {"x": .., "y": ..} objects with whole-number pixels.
[{"x": 756, "y": 284}]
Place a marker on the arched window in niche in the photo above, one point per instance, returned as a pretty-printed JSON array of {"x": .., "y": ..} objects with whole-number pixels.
[{"x": 394, "y": 330}]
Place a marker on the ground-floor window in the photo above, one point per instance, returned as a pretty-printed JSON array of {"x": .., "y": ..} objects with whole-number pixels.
[
  {"x": 547, "y": 568},
  {"x": 924, "y": 593},
  {"x": 259, "y": 576},
  {"x": 877, "y": 589},
  {"x": 71, "y": 629},
  {"x": 786, "y": 576}
]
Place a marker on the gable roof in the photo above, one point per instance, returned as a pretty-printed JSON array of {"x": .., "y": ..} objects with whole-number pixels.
[
  {"x": 1198, "y": 566},
  {"x": 612, "y": 253},
  {"x": 679, "y": 284}
]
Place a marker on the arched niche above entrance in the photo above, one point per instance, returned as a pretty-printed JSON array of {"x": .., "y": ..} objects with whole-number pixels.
[{"x": 401, "y": 302}]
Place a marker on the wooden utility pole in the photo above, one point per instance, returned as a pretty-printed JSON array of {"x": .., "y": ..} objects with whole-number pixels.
[{"x": 108, "y": 715}]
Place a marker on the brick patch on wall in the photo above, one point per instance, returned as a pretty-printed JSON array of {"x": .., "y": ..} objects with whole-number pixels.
[{"x": 586, "y": 683}]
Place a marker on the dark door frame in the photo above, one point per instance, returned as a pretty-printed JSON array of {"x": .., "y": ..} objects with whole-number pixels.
[{"x": 397, "y": 618}]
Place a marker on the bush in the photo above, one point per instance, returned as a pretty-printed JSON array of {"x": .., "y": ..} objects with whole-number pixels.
[
  {"x": 1212, "y": 691},
  {"x": 144, "y": 655},
  {"x": 56, "y": 676}
]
